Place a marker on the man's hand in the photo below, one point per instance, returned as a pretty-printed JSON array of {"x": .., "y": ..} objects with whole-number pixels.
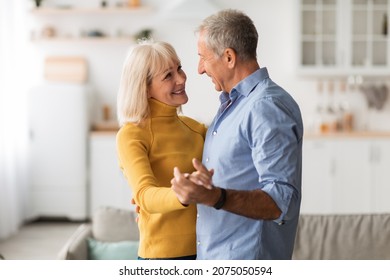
[{"x": 187, "y": 189}]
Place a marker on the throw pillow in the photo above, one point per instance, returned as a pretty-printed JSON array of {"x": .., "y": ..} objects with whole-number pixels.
[{"x": 123, "y": 250}]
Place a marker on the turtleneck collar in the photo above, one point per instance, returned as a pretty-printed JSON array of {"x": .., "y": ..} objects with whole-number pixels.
[{"x": 159, "y": 109}]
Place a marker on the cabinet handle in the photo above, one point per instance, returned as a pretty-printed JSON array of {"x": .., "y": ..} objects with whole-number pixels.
[
  {"x": 375, "y": 154},
  {"x": 31, "y": 135},
  {"x": 333, "y": 167}
]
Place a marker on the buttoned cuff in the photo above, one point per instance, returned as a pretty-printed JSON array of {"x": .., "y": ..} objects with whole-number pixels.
[{"x": 281, "y": 193}]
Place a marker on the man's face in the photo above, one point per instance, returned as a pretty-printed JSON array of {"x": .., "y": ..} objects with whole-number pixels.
[{"x": 210, "y": 64}]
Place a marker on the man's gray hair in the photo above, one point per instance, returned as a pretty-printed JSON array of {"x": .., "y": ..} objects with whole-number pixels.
[{"x": 230, "y": 29}]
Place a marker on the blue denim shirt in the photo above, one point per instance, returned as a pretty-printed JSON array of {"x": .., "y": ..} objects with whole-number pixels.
[{"x": 253, "y": 143}]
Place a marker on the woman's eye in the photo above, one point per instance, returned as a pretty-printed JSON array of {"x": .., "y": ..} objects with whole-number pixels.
[
  {"x": 167, "y": 76},
  {"x": 179, "y": 68}
]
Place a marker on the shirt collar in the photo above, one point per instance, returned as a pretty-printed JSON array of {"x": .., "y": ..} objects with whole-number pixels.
[{"x": 246, "y": 86}]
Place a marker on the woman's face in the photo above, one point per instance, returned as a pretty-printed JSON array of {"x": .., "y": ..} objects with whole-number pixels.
[{"x": 169, "y": 86}]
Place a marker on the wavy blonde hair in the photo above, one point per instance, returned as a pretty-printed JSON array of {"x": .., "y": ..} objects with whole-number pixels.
[{"x": 143, "y": 62}]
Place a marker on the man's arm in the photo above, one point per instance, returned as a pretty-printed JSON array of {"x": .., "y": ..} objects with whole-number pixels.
[{"x": 255, "y": 204}]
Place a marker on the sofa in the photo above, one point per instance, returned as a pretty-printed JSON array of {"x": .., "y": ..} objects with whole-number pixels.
[
  {"x": 319, "y": 237},
  {"x": 343, "y": 237},
  {"x": 113, "y": 228}
]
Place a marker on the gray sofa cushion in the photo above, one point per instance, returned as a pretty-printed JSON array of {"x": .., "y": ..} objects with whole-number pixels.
[
  {"x": 76, "y": 247},
  {"x": 113, "y": 224},
  {"x": 335, "y": 237}
]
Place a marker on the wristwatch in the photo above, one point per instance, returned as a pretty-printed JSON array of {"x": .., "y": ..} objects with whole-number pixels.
[{"x": 222, "y": 199}]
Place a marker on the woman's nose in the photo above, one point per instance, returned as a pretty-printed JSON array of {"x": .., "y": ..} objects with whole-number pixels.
[{"x": 181, "y": 78}]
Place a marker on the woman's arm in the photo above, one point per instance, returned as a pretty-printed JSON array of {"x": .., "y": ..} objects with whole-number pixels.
[{"x": 133, "y": 146}]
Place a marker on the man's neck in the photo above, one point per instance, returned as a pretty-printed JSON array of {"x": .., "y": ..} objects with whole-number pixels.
[{"x": 243, "y": 70}]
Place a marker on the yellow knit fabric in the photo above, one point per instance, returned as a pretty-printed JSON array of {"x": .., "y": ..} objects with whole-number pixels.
[{"x": 147, "y": 154}]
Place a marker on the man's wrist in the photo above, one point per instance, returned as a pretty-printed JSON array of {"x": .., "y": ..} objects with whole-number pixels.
[{"x": 221, "y": 200}]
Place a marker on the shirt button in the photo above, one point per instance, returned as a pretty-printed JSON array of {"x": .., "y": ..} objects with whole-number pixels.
[
  {"x": 207, "y": 159},
  {"x": 214, "y": 133},
  {"x": 197, "y": 215},
  {"x": 198, "y": 243}
]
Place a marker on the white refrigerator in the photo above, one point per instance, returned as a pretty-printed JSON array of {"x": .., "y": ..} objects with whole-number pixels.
[{"x": 59, "y": 127}]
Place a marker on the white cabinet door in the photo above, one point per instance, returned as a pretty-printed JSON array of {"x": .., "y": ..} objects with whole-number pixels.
[
  {"x": 320, "y": 34},
  {"x": 345, "y": 175},
  {"x": 352, "y": 177},
  {"x": 58, "y": 116},
  {"x": 108, "y": 186},
  {"x": 317, "y": 177},
  {"x": 369, "y": 34},
  {"x": 344, "y": 37},
  {"x": 380, "y": 175}
]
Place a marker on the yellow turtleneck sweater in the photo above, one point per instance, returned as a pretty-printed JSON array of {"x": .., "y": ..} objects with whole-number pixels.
[{"x": 147, "y": 154}]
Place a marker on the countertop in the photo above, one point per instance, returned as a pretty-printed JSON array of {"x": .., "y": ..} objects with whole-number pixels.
[
  {"x": 105, "y": 128},
  {"x": 352, "y": 134},
  {"x": 112, "y": 127}
]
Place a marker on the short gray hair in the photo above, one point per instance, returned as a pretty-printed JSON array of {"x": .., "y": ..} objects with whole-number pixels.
[{"x": 230, "y": 29}]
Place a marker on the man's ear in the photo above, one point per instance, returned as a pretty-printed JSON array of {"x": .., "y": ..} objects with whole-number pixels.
[{"x": 230, "y": 56}]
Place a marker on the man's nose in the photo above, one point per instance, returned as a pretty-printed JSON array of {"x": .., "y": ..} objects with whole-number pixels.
[{"x": 200, "y": 67}]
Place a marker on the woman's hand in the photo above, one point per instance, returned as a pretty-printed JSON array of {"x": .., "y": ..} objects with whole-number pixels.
[
  {"x": 201, "y": 176},
  {"x": 137, "y": 209}
]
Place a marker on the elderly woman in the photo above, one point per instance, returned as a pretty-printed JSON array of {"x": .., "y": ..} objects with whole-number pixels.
[{"x": 152, "y": 140}]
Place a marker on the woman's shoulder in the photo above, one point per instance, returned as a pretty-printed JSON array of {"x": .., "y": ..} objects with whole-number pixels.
[
  {"x": 134, "y": 131},
  {"x": 194, "y": 125}
]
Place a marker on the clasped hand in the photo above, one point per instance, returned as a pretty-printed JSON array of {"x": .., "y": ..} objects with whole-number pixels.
[{"x": 195, "y": 187}]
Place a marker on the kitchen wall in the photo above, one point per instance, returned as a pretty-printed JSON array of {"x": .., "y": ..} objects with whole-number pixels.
[{"x": 277, "y": 25}]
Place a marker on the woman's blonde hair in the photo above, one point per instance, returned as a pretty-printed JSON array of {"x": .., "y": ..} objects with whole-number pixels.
[{"x": 143, "y": 62}]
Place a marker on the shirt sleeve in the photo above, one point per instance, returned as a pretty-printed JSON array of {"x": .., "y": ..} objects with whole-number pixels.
[
  {"x": 133, "y": 144},
  {"x": 274, "y": 136}
]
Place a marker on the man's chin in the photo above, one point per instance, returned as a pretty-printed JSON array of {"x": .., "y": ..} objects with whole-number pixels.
[{"x": 217, "y": 88}]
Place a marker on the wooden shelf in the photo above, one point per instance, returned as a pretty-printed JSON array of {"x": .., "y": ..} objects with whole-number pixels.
[
  {"x": 103, "y": 40},
  {"x": 108, "y": 10}
]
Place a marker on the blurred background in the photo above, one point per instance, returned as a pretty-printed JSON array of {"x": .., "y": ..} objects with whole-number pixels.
[{"x": 60, "y": 66}]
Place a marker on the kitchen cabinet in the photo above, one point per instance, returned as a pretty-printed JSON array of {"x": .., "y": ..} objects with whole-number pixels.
[
  {"x": 345, "y": 175},
  {"x": 352, "y": 168},
  {"x": 319, "y": 33},
  {"x": 58, "y": 125},
  {"x": 380, "y": 157},
  {"x": 317, "y": 177},
  {"x": 108, "y": 186},
  {"x": 344, "y": 37}
]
